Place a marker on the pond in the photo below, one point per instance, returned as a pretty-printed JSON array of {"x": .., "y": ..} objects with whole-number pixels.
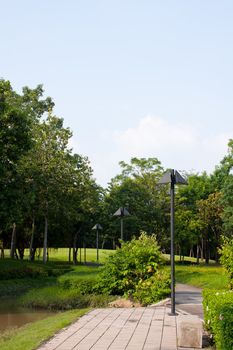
[{"x": 12, "y": 316}]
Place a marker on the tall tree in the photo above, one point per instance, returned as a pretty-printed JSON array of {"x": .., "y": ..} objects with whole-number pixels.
[{"x": 136, "y": 188}]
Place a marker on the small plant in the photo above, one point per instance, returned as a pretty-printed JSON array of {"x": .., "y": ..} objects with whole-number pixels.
[{"x": 135, "y": 266}]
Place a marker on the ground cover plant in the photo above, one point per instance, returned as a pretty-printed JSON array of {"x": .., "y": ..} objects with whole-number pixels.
[{"x": 135, "y": 271}]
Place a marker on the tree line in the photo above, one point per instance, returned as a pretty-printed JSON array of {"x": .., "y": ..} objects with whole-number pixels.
[{"x": 49, "y": 197}]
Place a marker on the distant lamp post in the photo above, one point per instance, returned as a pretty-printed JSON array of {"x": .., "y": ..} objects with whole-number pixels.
[
  {"x": 122, "y": 212},
  {"x": 97, "y": 227},
  {"x": 174, "y": 178}
]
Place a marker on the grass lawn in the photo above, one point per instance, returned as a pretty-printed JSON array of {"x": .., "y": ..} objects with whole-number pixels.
[
  {"x": 212, "y": 276},
  {"x": 62, "y": 254},
  {"x": 30, "y": 336}
]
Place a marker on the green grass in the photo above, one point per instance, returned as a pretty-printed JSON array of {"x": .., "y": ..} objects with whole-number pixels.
[
  {"x": 212, "y": 276},
  {"x": 62, "y": 254},
  {"x": 32, "y": 335}
]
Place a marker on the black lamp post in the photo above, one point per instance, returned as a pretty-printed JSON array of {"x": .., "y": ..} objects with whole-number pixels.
[
  {"x": 174, "y": 178},
  {"x": 97, "y": 227},
  {"x": 122, "y": 212}
]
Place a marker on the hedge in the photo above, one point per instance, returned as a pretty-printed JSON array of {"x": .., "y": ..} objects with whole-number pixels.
[{"x": 218, "y": 315}]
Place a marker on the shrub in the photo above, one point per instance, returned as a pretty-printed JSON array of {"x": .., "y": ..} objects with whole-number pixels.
[
  {"x": 153, "y": 289},
  {"x": 135, "y": 263},
  {"x": 226, "y": 258},
  {"x": 218, "y": 314}
]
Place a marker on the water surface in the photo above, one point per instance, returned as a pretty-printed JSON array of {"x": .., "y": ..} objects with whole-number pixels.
[{"x": 12, "y": 316}]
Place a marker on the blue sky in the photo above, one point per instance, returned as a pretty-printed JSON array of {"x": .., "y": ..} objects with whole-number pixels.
[{"x": 129, "y": 77}]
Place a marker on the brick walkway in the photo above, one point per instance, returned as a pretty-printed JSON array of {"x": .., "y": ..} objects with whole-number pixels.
[{"x": 149, "y": 328}]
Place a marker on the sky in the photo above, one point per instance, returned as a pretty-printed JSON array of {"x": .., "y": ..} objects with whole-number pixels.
[{"x": 130, "y": 78}]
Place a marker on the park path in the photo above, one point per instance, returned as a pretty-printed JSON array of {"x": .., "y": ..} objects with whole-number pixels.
[
  {"x": 189, "y": 299},
  {"x": 143, "y": 328}
]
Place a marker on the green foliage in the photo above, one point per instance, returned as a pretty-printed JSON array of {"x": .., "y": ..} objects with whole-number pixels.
[
  {"x": 153, "y": 289},
  {"x": 136, "y": 262},
  {"x": 218, "y": 315},
  {"x": 135, "y": 188},
  {"x": 226, "y": 258}
]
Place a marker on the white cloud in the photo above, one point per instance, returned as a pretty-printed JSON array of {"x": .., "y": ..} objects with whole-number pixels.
[
  {"x": 181, "y": 146},
  {"x": 176, "y": 145},
  {"x": 155, "y": 134}
]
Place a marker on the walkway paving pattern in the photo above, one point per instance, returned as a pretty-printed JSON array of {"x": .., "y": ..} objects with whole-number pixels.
[{"x": 144, "y": 328}]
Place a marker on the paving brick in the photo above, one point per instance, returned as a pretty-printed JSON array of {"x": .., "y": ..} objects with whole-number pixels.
[{"x": 149, "y": 328}]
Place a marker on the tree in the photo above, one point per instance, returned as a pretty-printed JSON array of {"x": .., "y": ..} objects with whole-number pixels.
[
  {"x": 227, "y": 190},
  {"x": 210, "y": 216},
  {"x": 18, "y": 114},
  {"x": 46, "y": 170},
  {"x": 188, "y": 226},
  {"x": 136, "y": 188}
]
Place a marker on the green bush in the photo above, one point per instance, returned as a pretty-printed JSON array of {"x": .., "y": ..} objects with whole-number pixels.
[
  {"x": 136, "y": 262},
  {"x": 226, "y": 258},
  {"x": 218, "y": 315},
  {"x": 153, "y": 289}
]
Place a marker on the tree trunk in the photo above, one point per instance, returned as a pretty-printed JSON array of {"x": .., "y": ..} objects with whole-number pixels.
[
  {"x": 31, "y": 249},
  {"x": 21, "y": 253},
  {"x": 13, "y": 241},
  {"x": 2, "y": 253},
  {"x": 85, "y": 252},
  {"x": 179, "y": 247},
  {"x": 198, "y": 248},
  {"x": 103, "y": 243},
  {"x": 69, "y": 255},
  {"x": 202, "y": 249},
  {"x": 207, "y": 251},
  {"x": 45, "y": 239},
  {"x": 1, "y": 250},
  {"x": 75, "y": 249}
]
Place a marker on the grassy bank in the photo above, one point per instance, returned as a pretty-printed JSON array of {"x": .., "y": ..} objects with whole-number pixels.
[
  {"x": 32, "y": 335},
  {"x": 212, "y": 276},
  {"x": 57, "y": 286},
  {"x": 71, "y": 288}
]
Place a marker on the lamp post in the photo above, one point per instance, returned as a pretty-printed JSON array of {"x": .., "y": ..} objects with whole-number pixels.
[
  {"x": 173, "y": 178},
  {"x": 122, "y": 212},
  {"x": 97, "y": 227}
]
